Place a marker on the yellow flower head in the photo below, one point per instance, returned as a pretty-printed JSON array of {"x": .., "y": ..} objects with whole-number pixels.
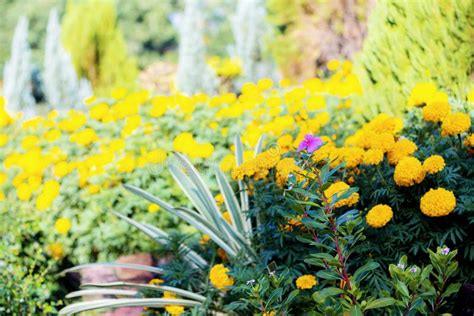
[
  {"x": 402, "y": 148},
  {"x": 408, "y": 172},
  {"x": 469, "y": 140},
  {"x": 455, "y": 123},
  {"x": 219, "y": 277},
  {"x": 379, "y": 215},
  {"x": 306, "y": 282},
  {"x": 56, "y": 250},
  {"x": 433, "y": 164},
  {"x": 156, "y": 281},
  {"x": 337, "y": 189},
  {"x": 373, "y": 157},
  {"x": 174, "y": 310},
  {"x": 421, "y": 94},
  {"x": 153, "y": 208},
  {"x": 435, "y": 112},
  {"x": 437, "y": 202},
  {"x": 62, "y": 225}
]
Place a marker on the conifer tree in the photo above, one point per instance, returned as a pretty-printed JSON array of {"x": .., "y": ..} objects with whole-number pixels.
[
  {"x": 194, "y": 75},
  {"x": 96, "y": 44},
  {"x": 17, "y": 71},
  {"x": 415, "y": 41},
  {"x": 250, "y": 31},
  {"x": 61, "y": 85}
]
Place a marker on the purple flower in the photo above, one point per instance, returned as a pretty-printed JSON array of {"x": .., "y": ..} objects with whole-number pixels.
[
  {"x": 401, "y": 266},
  {"x": 413, "y": 270},
  {"x": 445, "y": 251},
  {"x": 310, "y": 143}
]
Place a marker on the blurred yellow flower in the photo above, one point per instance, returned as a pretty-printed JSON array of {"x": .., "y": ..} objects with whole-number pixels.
[
  {"x": 153, "y": 208},
  {"x": 62, "y": 225}
]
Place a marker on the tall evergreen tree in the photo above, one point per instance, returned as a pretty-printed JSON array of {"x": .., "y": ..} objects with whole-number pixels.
[
  {"x": 96, "y": 44},
  {"x": 61, "y": 85},
  {"x": 17, "y": 71},
  {"x": 250, "y": 31},
  {"x": 194, "y": 75},
  {"x": 415, "y": 41}
]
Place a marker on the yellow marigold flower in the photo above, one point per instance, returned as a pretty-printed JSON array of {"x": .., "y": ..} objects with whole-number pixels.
[
  {"x": 402, "y": 148},
  {"x": 153, "y": 208},
  {"x": 469, "y": 140},
  {"x": 455, "y": 123},
  {"x": 29, "y": 142},
  {"x": 93, "y": 188},
  {"x": 44, "y": 201},
  {"x": 421, "y": 94},
  {"x": 156, "y": 281},
  {"x": 373, "y": 157},
  {"x": 99, "y": 111},
  {"x": 227, "y": 217},
  {"x": 333, "y": 64},
  {"x": 382, "y": 141},
  {"x": 61, "y": 169},
  {"x": 306, "y": 282},
  {"x": 204, "y": 239},
  {"x": 219, "y": 198},
  {"x": 337, "y": 189},
  {"x": 23, "y": 191},
  {"x": 3, "y": 139},
  {"x": 353, "y": 156},
  {"x": 437, "y": 202},
  {"x": 56, "y": 250},
  {"x": 228, "y": 163},
  {"x": 126, "y": 164},
  {"x": 3, "y": 178},
  {"x": 285, "y": 142},
  {"x": 62, "y": 225},
  {"x": 379, "y": 215},
  {"x": 408, "y": 172},
  {"x": 52, "y": 135},
  {"x": 84, "y": 137},
  {"x": 219, "y": 277},
  {"x": 174, "y": 310},
  {"x": 433, "y": 164},
  {"x": 270, "y": 313},
  {"x": 436, "y": 111}
]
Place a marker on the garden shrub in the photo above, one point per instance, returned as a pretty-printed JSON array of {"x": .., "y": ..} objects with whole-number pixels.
[{"x": 405, "y": 46}]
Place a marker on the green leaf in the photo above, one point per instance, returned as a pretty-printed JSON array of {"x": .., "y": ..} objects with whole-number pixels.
[
  {"x": 331, "y": 291},
  {"x": 101, "y": 292},
  {"x": 238, "y": 218},
  {"x": 115, "y": 265},
  {"x": 160, "y": 288},
  {"x": 328, "y": 275},
  {"x": 360, "y": 273},
  {"x": 258, "y": 147},
  {"x": 291, "y": 296},
  {"x": 380, "y": 302},
  {"x": 125, "y": 302},
  {"x": 355, "y": 311}
]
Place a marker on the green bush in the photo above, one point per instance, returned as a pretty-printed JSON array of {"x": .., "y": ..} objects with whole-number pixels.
[
  {"x": 414, "y": 41},
  {"x": 96, "y": 44}
]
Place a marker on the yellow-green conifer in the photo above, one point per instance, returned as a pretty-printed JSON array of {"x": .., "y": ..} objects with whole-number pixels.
[
  {"x": 96, "y": 44},
  {"x": 415, "y": 41}
]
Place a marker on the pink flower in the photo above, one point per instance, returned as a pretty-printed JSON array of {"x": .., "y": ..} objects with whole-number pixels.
[{"x": 310, "y": 143}]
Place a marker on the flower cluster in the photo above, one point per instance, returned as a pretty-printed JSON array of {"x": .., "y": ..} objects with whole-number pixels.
[
  {"x": 335, "y": 190},
  {"x": 379, "y": 216},
  {"x": 218, "y": 275},
  {"x": 437, "y": 202}
]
